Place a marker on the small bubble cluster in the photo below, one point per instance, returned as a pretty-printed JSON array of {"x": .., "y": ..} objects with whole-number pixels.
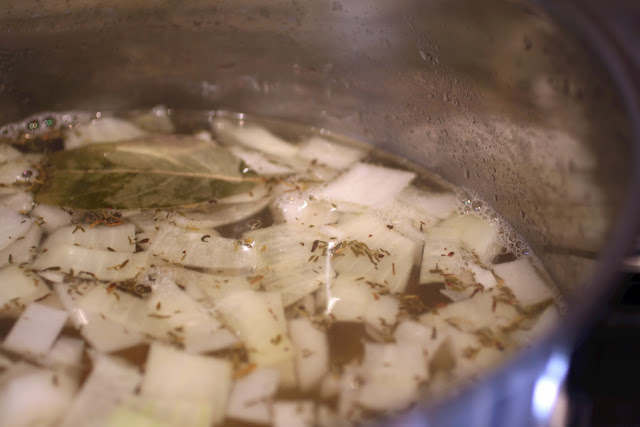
[
  {"x": 43, "y": 122},
  {"x": 512, "y": 242}
]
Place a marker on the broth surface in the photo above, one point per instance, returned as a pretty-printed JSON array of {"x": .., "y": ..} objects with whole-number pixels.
[{"x": 341, "y": 285}]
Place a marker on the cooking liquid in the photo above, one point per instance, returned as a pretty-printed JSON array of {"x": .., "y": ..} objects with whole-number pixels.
[{"x": 362, "y": 347}]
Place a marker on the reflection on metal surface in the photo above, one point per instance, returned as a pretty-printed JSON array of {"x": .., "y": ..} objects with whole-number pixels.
[{"x": 547, "y": 387}]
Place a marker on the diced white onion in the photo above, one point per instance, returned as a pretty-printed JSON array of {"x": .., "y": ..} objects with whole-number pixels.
[
  {"x": 312, "y": 352},
  {"x": 36, "y": 330},
  {"x": 105, "y": 129},
  {"x": 251, "y": 396},
  {"x": 195, "y": 249},
  {"x": 50, "y": 217},
  {"x": 329, "y": 153},
  {"x": 366, "y": 185},
  {"x": 16, "y": 200},
  {"x": 173, "y": 374},
  {"x": 438, "y": 205},
  {"x": 23, "y": 249},
  {"x": 111, "y": 380},
  {"x": 103, "y": 265},
  {"x": 395, "y": 252},
  {"x": 20, "y": 285},
  {"x": 258, "y": 319},
  {"x": 392, "y": 373},
  {"x": 13, "y": 225},
  {"x": 523, "y": 279},
  {"x": 35, "y": 397},
  {"x": 293, "y": 413},
  {"x": 257, "y": 138},
  {"x": 118, "y": 238}
]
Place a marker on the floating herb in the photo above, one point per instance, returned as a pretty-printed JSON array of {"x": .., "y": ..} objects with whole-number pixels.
[{"x": 152, "y": 172}]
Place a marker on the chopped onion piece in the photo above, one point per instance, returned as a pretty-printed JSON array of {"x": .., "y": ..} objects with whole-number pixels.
[
  {"x": 17, "y": 171},
  {"x": 36, "y": 330},
  {"x": 547, "y": 320},
  {"x": 438, "y": 205},
  {"x": 195, "y": 249},
  {"x": 155, "y": 120},
  {"x": 119, "y": 238},
  {"x": 35, "y": 397},
  {"x": 382, "y": 313},
  {"x": 103, "y": 265},
  {"x": 105, "y": 129},
  {"x": 258, "y": 319},
  {"x": 22, "y": 250},
  {"x": 257, "y": 138},
  {"x": 173, "y": 374},
  {"x": 66, "y": 352},
  {"x": 475, "y": 234},
  {"x": 143, "y": 411},
  {"x": 289, "y": 252},
  {"x": 348, "y": 298},
  {"x": 251, "y": 396},
  {"x": 293, "y": 413},
  {"x": 111, "y": 380},
  {"x": 16, "y": 200},
  {"x": 366, "y": 185},
  {"x": 13, "y": 225},
  {"x": 329, "y": 153},
  {"x": 167, "y": 314},
  {"x": 525, "y": 282},
  {"x": 413, "y": 333},
  {"x": 483, "y": 276},
  {"x": 386, "y": 259},
  {"x": 296, "y": 207},
  {"x": 312, "y": 352},
  {"x": 207, "y": 288},
  {"x": 107, "y": 336},
  {"x": 442, "y": 258},
  {"x": 50, "y": 217},
  {"x": 259, "y": 163},
  {"x": 8, "y": 153},
  {"x": 392, "y": 373},
  {"x": 20, "y": 285}
]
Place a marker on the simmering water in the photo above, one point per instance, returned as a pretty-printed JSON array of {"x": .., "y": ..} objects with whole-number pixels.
[{"x": 338, "y": 284}]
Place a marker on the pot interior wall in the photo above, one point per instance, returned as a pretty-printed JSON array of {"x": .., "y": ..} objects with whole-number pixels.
[{"x": 490, "y": 94}]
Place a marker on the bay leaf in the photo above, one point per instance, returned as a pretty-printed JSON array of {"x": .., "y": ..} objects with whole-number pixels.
[{"x": 151, "y": 172}]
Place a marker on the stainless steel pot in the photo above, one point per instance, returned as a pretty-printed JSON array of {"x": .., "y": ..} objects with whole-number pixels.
[{"x": 528, "y": 104}]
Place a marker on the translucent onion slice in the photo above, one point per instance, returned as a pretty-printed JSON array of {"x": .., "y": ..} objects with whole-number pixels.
[
  {"x": 366, "y": 185},
  {"x": 198, "y": 249},
  {"x": 256, "y": 138},
  {"x": 118, "y": 238},
  {"x": 438, "y": 205},
  {"x": 13, "y": 225},
  {"x": 391, "y": 373},
  {"x": 312, "y": 352},
  {"x": 293, "y": 258},
  {"x": 388, "y": 259},
  {"x": 329, "y": 153},
  {"x": 251, "y": 396},
  {"x": 174, "y": 374},
  {"x": 103, "y": 265},
  {"x": 16, "y": 200},
  {"x": 105, "y": 129},
  {"x": 35, "y": 397},
  {"x": 293, "y": 413},
  {"x": 111, "y": 380},
  {"x": 524, "y": 280},
  {"x": 50, "y": 217},
  {"x": 36, "y": 330},
  {"x": 20, "y": 285},
  {"x": 23, "y": 249},
  {"x": 258, "y": 319}
]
